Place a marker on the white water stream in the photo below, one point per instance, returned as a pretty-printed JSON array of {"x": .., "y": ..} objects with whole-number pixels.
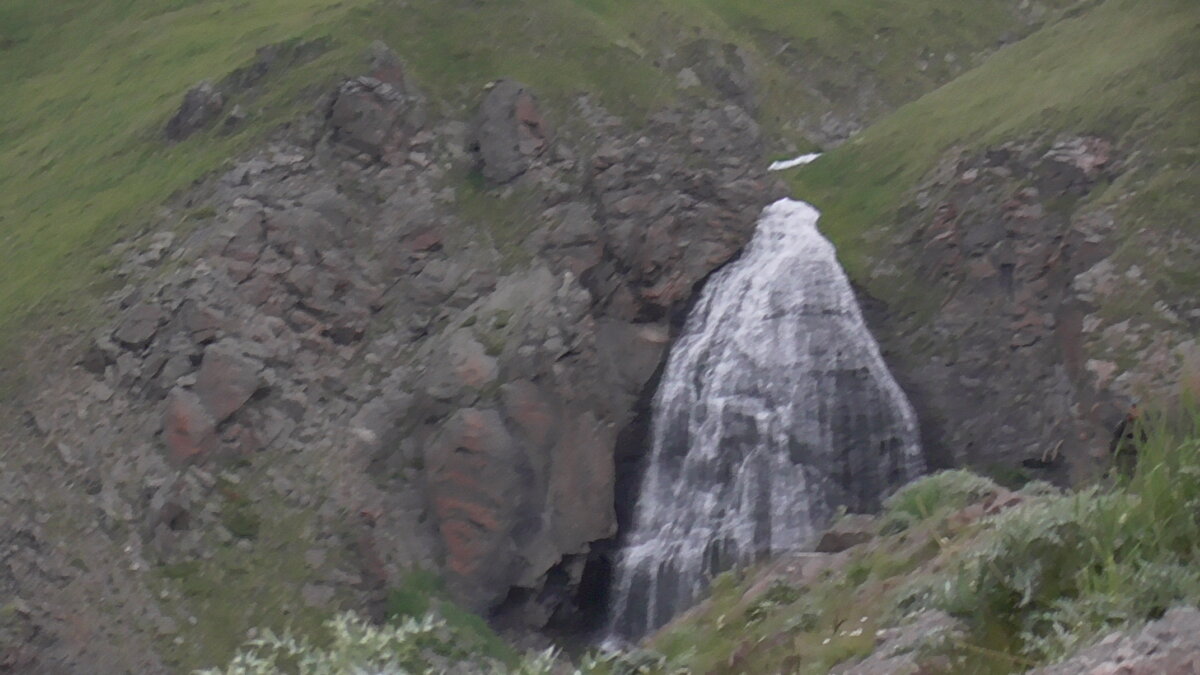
[{"x": 775, "y": 409}]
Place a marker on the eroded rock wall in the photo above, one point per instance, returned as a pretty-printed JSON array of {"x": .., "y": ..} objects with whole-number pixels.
[
  {"x": 336, "y": 374},
  {"x": 1031, "y": 327}
]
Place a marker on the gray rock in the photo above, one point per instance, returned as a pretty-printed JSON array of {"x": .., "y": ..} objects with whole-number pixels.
[
  {"x": 850, "y": 530},
  {"x": 373, "y": 117},
  {"x": 201, "y": 106},
  {"x": 226, "y": 380},
  {"x": 139, "y": 325},
  {"x": 509, "y": 132}
]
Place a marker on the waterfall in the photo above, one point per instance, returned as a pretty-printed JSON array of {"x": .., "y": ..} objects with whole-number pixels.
[{"x": 775, "y": 409}]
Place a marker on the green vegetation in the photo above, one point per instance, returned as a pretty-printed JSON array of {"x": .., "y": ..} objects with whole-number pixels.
[
  {"x": 1029, "y": 584},
  {"x": 932, "y": 496},
  {"x": 1049, "y": 83},
  {"x": 413, "y": 645},
  {"x": 1059, "y": 570},
  {"x": 89, "y": 86},
  {"x": 252, "y": 579},
  {"x": 421, "y": 595}
]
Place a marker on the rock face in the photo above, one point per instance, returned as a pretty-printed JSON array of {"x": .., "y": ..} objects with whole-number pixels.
[
  {"x": 1016, "y": 362},
  {"x": 338, "y": 348}
]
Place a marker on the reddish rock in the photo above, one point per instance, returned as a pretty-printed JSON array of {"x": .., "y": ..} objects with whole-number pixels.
[
  {"x": 532, "y": 412},
  {"x": 386, "y": 65},
  {"x": 475, "y": 489},
  {"x": 582, "y": 483},
  {"x": 426, "y": 241},
  {"x": 188, "y": 428},
  {"x": 226, "y": 380}
]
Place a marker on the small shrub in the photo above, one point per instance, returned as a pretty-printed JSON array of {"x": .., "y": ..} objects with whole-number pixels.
[
  {"x": 932, "y": 495},
  {"x": 778, "y": 595},
  {"x": 1059, "y": 569}
]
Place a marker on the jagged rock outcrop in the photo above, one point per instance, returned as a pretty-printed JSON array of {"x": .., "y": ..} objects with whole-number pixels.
[
  {"x": 509, "y": 131},
  {"x": 376, "y": 117},
  {"x": 1006, "y": 366},
  {"x": 201, "y": 106},
  {"x": 334, "y": 345}
]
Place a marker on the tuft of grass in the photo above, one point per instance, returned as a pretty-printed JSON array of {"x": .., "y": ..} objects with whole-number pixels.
[{"x": 934, "y": 495}]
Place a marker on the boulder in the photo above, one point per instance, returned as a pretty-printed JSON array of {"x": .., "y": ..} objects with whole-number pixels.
[
  {"x": 509, "y": 132},
  {"x": 189, "y": 430},
  {"x": 201, "y": 106},
  {"x": 374, "y": 117},
  {"x": 138, "y": 325},
  {"x": 386, "y": 65},
  {"x": 477, "y": 479},
  {"x": 226, "y": 380},
  {"x": 726, "y": 68},
  {"x": 850, "y": 530}
]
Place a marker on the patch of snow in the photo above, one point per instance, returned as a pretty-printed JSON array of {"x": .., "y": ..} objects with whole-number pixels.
[{"x": 795, "y": 161}]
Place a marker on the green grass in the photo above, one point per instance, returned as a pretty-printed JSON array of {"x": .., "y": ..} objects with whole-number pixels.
[
  {"x": 1124, "y": 69},
  {"x": 933, "y": 496},
  {"x": 82, "y": 156},
  {"x": 239, "y": 588},
  {"x": 90, "y": 85},
  {"x": 1063, "y": 570}
]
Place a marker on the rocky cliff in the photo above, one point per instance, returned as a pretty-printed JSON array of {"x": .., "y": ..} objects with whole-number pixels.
[
  {"x": 415, "y": 325},
  {"x": 343, "y": 363}
]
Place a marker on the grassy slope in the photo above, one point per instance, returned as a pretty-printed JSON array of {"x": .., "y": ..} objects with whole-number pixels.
[
  {"x": 1029, "y": 585},
  {"x": 1125, "y": 69},
  {"x": 89, "y": 86}
]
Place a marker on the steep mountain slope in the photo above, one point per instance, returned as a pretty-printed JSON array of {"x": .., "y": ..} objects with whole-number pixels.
[
  {"x": 394, "y": 328},
  {"x": 1029, "y": 231},
  {"x": 82, "y": 161}
]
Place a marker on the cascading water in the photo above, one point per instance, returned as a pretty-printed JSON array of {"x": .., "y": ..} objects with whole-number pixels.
[{"x": 775, "y": 409}]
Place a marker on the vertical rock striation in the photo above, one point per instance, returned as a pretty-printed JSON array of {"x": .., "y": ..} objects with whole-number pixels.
[{"x": 775, "y": 409}]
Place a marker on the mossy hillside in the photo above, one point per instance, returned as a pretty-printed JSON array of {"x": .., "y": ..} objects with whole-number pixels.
[
  {"x": 89, "y": 86},
  {"x": 1120, "y": 69}
]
